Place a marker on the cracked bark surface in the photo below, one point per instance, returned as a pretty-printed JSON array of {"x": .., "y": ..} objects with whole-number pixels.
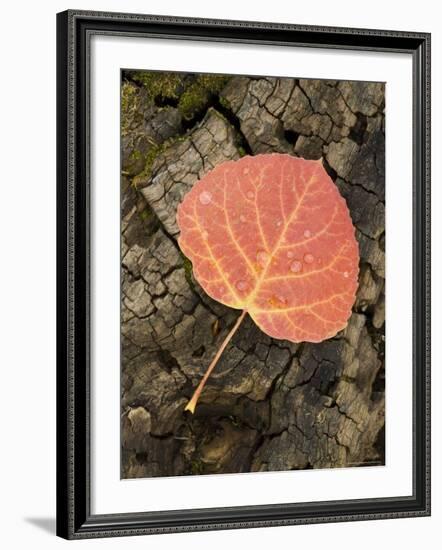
[{"x": 269, "y": 404}]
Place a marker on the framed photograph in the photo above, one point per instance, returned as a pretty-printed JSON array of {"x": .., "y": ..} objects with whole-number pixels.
[{"x": 243, "y": 274}]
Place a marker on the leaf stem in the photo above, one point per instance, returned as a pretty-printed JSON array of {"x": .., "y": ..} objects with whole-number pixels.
[{"x": 192, "y": 403}]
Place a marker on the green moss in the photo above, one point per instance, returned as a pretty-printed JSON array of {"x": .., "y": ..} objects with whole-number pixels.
[
  {"x": 135, "y": 155},
  {"x": 191, "y": 102},
  {"x": 135, "y": 162},
  {"x": 153, "y": 152},
  {"x": 224, "y": 103},
  {"x": 197, "y": 467},
  {"x": 242, "y": 152},
  {"x": 146, "y": 215},
  {"x": 129, "y": 94},
  {"x": 149, "y": 220},
  {"x": 188, "y": 270},
  {"x": 192, "y": 93},
  {"x": 165, "y": 85},
  {"x": 130, "y": 102},
  {"x": 197, "y": 95},
  {"x": 149, "y": 159}
]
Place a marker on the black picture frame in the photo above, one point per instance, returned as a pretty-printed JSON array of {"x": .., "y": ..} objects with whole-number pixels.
[{"x": 74, "y": 518}]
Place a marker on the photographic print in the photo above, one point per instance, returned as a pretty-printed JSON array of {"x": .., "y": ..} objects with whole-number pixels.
[{"x": 252, "y": 274}]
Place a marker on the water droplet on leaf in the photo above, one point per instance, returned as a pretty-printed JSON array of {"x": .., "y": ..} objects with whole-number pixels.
[
  {"x": 309, "y": 258},
  {"x": 290, "y": 254},
  {"x": 346, "y": 274},
  {"x": 241, "y": 285},
  {"x": 307, "y": 233},
  {"x": 250, "y": 194},
  {"x": 205, "y": 197},
  {"x": 242, "y": 218},
  {"x": 296, "y": 266},
  {"x": 262, "y": 257}
]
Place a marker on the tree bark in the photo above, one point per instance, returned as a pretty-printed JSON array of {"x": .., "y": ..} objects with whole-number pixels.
[{"x": 269, "y": 404}]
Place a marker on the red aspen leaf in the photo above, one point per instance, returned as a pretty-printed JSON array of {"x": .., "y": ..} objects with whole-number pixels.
[{"x": 272, "y": 235}]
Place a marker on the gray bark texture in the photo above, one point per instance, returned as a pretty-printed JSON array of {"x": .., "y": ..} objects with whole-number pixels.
[{"x": 269, "y": 404}]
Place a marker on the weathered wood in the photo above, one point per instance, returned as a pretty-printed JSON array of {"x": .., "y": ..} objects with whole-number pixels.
[{"x": 269, "y": 404}]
